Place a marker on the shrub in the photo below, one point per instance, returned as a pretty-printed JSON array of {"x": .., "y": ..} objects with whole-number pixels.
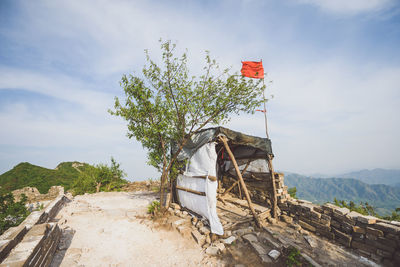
[
  {"x": 11, "y": 213},
  {"x": 292, "y": 192},
  {"x": 154, "y": 207},
  {"x": 293, "y": 258},
  {"x": 100, "y": 177},
  {"x": 362, "y": 208}
]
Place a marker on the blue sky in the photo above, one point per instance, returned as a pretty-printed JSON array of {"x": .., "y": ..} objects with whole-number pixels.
[{"x": 335, "y": 67}]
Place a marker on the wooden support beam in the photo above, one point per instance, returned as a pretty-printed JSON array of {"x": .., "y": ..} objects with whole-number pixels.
[
  {"x": 225, "y": 142},
  {"x": 274, "y": 197},
  {"x": 190, "y": 190}
]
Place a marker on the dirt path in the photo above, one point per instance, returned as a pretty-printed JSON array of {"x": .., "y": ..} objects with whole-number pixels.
[{"x": 105, "y": 229}]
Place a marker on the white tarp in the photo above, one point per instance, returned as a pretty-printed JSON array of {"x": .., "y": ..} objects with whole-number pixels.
[{"x": 203, "y": 162}]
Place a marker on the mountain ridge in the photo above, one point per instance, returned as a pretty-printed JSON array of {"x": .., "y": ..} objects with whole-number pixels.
[
  {"x": 384, "y": 198},
  {"x": 26, "y": 174},
  {"x": 375, "y": 176}
]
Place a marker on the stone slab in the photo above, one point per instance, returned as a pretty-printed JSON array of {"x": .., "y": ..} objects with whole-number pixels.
[
  {"x": 250, "y": 238},
  {"x": 366, "y": 219},
  {"x": 319, "y": 226},
  {"x": 387, "y": 228},
  {"x": 228, "y": 240},
  {"x": 311, "y": 241},
  {"x": 341, "y": 211},
  {"x": 212, "y": 250},
  {"x": 353, "y": 215},
  {"x": 310, "y": 260},
  {"x": 306, "y": 226},
  {"x": 258, "y": 248},
  {"x": 362, "y": 246},
  {"x": 329, "y": 207},
  {"x": 375, "y": 232},
  {"x": 360, "y": 230},
  {"x": 199, "y": 238}
]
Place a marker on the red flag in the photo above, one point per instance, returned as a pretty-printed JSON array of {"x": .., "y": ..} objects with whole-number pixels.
[{"x": 252, "y": 69}]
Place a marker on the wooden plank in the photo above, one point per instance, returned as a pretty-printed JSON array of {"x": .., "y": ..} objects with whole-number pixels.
[
  {"x": 210, "y": 177},
  {"x": 243, "y": 203},
  {"x": 190, "y": 190},
  {"x": 264, "y": 215},
  {"x": 243, "y": 185},
  {"x": 233, "y": 212}
]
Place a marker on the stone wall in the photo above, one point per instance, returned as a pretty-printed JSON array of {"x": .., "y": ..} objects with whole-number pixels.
[
  {"x": 371, "y": 237},
  {"x": 33, "y": 242},
  {"x": 260, "y": 189},
  {"x": 34, "y": 195}
]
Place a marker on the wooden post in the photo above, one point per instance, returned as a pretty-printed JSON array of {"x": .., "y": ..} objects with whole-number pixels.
[
  {"x": 224, "y": 140},
  {"x": 274, "y": 197}
]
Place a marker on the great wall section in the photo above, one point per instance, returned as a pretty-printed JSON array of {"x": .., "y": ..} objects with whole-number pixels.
[{"x": 325, "y": 235}]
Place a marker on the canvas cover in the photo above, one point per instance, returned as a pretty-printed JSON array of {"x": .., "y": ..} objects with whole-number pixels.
[
  {"x": 200, "y": 153},
  {"x": 249, "y": 143},
  {"x": 203, "y": 162}
]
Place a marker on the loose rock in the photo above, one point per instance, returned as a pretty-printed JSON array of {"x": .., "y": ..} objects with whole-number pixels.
[
  {"x": 274, "y": 254},
  {"x": 250, "y": 238},
  {"x": 212, "y": 250},
  {"x": 228, "y": 240}
]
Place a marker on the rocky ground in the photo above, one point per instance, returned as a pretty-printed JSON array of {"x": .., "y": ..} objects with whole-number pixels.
[
  {"x": 109, "y": 229},
  {"x": 114, "y": 229}
]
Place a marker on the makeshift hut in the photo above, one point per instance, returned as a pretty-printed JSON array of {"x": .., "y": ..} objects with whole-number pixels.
[{"x": 219, "y": 160}]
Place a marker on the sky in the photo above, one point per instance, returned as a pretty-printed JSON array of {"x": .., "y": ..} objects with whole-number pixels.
[{"x": 333, "y": 76}]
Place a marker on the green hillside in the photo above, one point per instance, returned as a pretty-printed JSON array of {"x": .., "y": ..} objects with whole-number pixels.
[
  {"x": 26, "y": 174},
  {"x": 319, "y": 190}
]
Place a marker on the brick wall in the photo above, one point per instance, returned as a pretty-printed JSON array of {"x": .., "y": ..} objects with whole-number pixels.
[
  {"x": 34, "y": 241},
  {"x": 371, "y": 237}
]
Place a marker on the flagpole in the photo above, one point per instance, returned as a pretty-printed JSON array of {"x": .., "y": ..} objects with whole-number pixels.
[
  {"x": 265, "y": 111},
  {"x": 248, "y": 71},
  {"x": 269, "y": 161}
]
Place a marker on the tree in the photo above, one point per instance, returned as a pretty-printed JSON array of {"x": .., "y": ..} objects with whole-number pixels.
[
  {"x": 93, "y": 178},
  {"x": 362, "y": 208},
  {"x": 292, "y": 192},
  {"x": 167, "y": 105}
]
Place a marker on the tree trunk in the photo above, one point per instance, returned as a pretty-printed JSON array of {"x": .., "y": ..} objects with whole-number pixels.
[
  {"x": 164, "y": 176},
  {"x": 98, "y": 185}
]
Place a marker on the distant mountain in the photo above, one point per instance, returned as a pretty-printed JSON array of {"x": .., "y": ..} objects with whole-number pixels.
[
  {"x": 375, "y": 176},
  {"x": 26, "y": 174},
  {"x": 320, "y": 190}
]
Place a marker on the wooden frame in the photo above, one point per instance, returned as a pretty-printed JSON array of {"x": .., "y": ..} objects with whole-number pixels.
[
  {"x": 243, "y": 185},
  {"x": 190, "y": 191}
]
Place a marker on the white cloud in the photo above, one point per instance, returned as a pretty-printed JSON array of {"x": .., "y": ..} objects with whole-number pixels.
[
  {"x": 327, "y": 114},
  {"x": 331, "y": 117},
  {"x": 56, "y": 85},
  {"x": 68, "y": 136},
  {"x": 349, "y": 7}
]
